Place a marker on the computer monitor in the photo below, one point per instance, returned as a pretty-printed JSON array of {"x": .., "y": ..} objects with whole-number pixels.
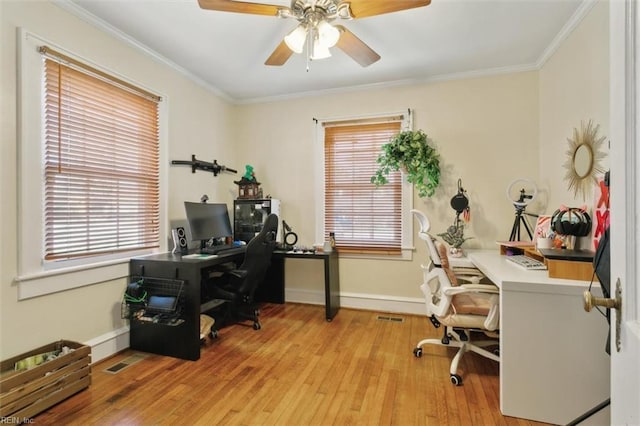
[{"x": 208, "y": 221}]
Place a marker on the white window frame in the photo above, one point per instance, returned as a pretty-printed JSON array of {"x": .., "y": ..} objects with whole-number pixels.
[
  {"x": 407, "y": 188},
  {"x": 37, "y": 277}
]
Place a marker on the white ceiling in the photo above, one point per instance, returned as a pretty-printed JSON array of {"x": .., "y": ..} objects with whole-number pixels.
[{"x": 447, "y": 39}]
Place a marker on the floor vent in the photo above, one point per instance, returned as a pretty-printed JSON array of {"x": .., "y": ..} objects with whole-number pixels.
[
  {"x": 391, "y": 319},
  {"x": 116, "y": 368}
]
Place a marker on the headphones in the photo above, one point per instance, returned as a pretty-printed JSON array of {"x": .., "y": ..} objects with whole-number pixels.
[{"x": 571, "y": 221}]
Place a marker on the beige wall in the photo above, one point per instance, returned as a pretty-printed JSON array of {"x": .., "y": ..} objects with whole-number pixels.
[
  {"x": 574, "y": 87},
  {"x": 198, "y": 123},
  {"x": 486, "y": 131},
  {"x": 489, "y": 131}
]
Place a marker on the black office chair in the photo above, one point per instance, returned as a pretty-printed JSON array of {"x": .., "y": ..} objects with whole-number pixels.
[{"x": 238, "y": 286}]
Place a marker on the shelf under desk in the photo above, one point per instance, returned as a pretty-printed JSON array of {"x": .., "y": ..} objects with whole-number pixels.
[{"x": 553, "y": 364}]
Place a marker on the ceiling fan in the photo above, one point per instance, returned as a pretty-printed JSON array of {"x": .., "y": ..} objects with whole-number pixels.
[{"x": 315, "y": 30}]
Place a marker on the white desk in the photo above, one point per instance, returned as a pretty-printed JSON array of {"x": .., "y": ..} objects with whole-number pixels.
[{"x": 553, "y": 366}]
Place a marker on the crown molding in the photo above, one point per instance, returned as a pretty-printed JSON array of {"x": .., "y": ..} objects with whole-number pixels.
[
  {"x": 584, "y": 8},
  {"x": 568, "y": 28},
  {"x": 397, "y": 83},
  {"x": 84, "y": 15}
]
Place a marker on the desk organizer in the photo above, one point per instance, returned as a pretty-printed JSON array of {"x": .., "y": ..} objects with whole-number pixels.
[
  {"x": 581, "y": 270},
  {"x": 569, "y": 264},
  {"x": 570, "y": 269},
  {"x": 25, "y": 393},
  {"x": 514, "y": 247}
]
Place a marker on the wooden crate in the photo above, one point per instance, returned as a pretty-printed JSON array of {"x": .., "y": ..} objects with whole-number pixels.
[{"x": 23, "y": 394}]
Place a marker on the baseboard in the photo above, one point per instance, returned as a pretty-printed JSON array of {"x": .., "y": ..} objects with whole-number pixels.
[
  {"x": 370, "y": 302},
  {"x": 108, "y": 344}
]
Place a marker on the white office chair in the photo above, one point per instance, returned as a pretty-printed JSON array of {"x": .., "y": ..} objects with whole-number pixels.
[
  {"x": 463, "y": 309},
  {"x": 462, "y": 267}
]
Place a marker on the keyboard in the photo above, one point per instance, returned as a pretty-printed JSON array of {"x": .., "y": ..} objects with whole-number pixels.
[
  {"x": 221, "y": 249},
  {"x": 526, "y": 262}
]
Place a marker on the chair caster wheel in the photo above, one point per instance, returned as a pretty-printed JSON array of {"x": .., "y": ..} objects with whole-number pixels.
[
  {"x": 256, "y": 326},
  {"x": 417, "y": 352},
  {"x": 214, "y": 334},
  {"x": 456, "y": 380}
]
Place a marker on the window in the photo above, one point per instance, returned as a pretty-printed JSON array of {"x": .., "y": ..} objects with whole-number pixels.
[
  {"x": 101, "y": 159},
  {"x": 92, "y": 153},
  {"x": 365, "y": 219}
]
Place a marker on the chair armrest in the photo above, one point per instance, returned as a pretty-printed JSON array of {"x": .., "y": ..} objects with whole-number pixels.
[
  {"x": 238, "y": 273},
  {"x": 471, "y": 279}
]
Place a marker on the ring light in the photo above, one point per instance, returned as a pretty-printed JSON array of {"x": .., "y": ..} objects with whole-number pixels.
[{"x": 524, "y": 199}]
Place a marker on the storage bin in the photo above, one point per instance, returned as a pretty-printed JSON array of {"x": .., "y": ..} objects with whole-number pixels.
[{"x": 25, "y": 393}]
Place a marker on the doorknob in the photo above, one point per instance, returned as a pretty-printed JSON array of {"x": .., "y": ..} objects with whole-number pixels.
[{"x": 590, "y": 301}]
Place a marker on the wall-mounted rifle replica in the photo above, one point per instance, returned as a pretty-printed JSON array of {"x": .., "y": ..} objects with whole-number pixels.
[{"x": 214, "y": 167}]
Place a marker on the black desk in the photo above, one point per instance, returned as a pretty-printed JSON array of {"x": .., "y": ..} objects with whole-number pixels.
[
  {"x": 274, "y": 280},
  {"x": 182, "y": 339}
]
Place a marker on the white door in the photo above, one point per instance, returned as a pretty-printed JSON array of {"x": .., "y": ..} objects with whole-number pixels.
[{"x": 625, "y": 224}]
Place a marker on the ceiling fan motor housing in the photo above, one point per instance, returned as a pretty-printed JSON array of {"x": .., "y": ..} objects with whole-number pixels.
[{"x": 329, "y": 10}]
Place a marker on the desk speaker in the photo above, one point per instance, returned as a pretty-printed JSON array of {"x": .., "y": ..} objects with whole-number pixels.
[{"x": 179, "y": 240}]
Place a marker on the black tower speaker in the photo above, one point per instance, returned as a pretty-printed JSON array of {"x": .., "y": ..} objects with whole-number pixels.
[{"x": 179, "y": 240}]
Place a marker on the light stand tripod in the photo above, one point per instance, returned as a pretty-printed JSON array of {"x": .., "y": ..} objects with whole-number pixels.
[{"x": 520, "y": 207}]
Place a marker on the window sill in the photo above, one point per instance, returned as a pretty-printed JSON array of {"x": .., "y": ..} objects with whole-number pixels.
[
  {"x": 54, "y": 281},
  {"x": 406, "y": 254}
]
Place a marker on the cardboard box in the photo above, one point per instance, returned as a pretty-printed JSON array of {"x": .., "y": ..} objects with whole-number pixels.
[{"x": 25, "y": 393}]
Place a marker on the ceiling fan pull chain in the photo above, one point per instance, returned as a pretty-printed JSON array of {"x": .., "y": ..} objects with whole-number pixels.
[{"x": 309, "y": 46}]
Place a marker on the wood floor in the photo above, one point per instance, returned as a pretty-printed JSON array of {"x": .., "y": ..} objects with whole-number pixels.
[{"x": 297, "y": 370}]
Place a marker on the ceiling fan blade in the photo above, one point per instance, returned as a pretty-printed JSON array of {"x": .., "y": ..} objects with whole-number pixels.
[
  {"x": 364, "y": 8},
  {"x": 240, "y": 7},
  {"x": 356, "y": 48},
  {"x": 280, "y": 55}
]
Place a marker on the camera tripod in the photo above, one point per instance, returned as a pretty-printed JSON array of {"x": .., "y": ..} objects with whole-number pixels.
[
  {"x": 515, "y": 231},
  {"x": 520, "y": 205}
]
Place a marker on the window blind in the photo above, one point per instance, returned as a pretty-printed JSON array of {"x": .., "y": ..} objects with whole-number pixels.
[
  {"x": 365, "y": 219},
  {"x": 101, "y": 161}
]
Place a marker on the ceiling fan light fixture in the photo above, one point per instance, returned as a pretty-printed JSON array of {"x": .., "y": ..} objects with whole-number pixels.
[
  {"x": 319, "y": 50},
  {"x": 296, "y": 38},
  {"x": 328, "y": 35}
]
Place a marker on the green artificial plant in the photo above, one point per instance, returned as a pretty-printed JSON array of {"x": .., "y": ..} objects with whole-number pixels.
[
  {"x": 454, "y": 235},
  {"x": 410, "y": 151}
]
